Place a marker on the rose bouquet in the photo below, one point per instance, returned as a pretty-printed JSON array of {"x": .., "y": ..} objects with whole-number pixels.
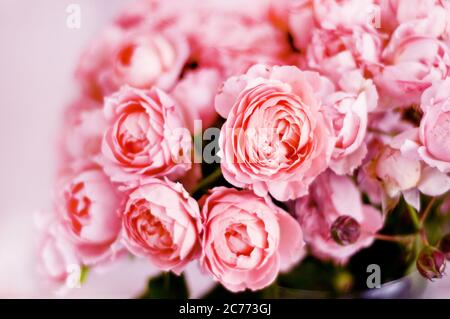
[{"x": 273, "y": 144}]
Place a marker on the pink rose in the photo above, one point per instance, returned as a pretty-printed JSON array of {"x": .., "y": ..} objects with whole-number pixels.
[
  {"x": 196, "y": 92},
  {"x": 401, "y": 172},
  {"x": 140, "y": 57},
  {"x": 337, "y": 51},
  {"x": 224, "y": 47},
  {"x": 349, "y": 112},
  {"x": 162, "y": 222},
  {"x": 81, "y": 138},
  {"x": 56, "y": 254},
  {"x": 397, "y": 172},
  {"x": 276, "y": 139},
  {"x": 89, "y": 212},
  {"x": 247, "y": 239},
  {"x": 305, "y": 16},
  {"x": 429, "y": 142},
  {"x": 435, "y": 126},
  {"x": 146, "y": 136},
  {"x": 431, "y": 13},
  {"x": 414, "y": 61},
  {"x": 333, "y": 199}
]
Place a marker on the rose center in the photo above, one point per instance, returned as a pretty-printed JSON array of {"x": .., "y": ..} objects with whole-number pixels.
[
  {"x": 77, "y": 205},
  {"x": 133, "y": 133},
  {"x": 152, "y": 230},
  {"x": 238, "y": 240}
]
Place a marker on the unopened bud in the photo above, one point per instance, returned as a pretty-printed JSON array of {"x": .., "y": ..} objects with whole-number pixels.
[
  {"x": 431, "y": 263},
  {"x": 444, "y": 246},
  {"x": 345, "y": 230}
]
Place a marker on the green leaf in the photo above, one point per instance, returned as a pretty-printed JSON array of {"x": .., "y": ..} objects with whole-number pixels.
[{"x": 166, "y": 286}]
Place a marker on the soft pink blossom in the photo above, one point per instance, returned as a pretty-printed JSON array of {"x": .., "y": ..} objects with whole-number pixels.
[
  {"x": 276, "y": 138},
  {"x": 224, "y": 47},
  {"x": 435, "y": 126},
  {"x": 146, "y": 136},
  {"x": 88, "y": 210},
  {"x": 140, "y": 57},
  {"x": 335, "y": 52},
  {"x": 348, "y": 111},
  {"x": 330, "y": 197},
  {"x": 162, "y": 222},
  {"x": 305, "y": 16},
  {"x": 413, "y": 62},
  {"x": 429, "y": 142},
  {"x": 247, "y": 239},
  {"x": 429, "y": 13},
  {"x": 56, "y": 254},
  {"x": 196, "y": 92},
  {"x": 81, "y": 136},
  {"x": 401, "y": 171}
]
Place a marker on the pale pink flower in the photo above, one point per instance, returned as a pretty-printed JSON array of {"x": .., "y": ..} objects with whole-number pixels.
[
  {"x": 162, "y": 222},
  {"x": 413, "y": 62},
  {"x": 435, "y": 126},
  {"x": 88, "y": 209},
  {"x": 400, "y": 171},
  {"x": 430, "y": 14},
  {"x": 336, "y": 52},
  {"x": 140, "y": 57},
  {"x": 330, "y": 198},
  {"x": 226, "y": 48},
  {"x": 81, "y": 136},
  {"x": 348, "y": 111},
  {"x": 56, "y": 254},
  {"x": 146, "y": 136},
  {"x": 247, "y": 240},
  {"x": 276, "y": 139},
  {"x": 196, "y": 93},
  {"x": 305, "y": 16},
  {"x": 430, "y": 141}
]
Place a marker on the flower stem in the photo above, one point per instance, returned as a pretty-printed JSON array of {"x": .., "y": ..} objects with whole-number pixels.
[
  {"x": 414, "y": 217},
  {"x": 423, "y": 237},
  {"x": 208, "y": 181},
  {"x": 405, "y": 239},
  {"x": 426, "y": 212}
]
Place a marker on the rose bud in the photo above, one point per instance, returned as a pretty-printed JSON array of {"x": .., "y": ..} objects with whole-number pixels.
[
  {"x": 444, "y": 246},
  {"x": 345, "y": 230},
  {"x": 431, "y": 263},
  {"x": 330, "y": 198}
]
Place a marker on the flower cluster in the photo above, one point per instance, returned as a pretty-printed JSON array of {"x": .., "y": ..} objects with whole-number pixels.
[{"x": 321, "y": 103}]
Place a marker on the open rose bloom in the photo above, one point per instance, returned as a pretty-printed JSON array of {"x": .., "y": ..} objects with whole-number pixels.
[{"x": 257, "y": 142}]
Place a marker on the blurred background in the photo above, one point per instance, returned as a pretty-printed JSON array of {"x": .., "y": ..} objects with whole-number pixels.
[{"x": 37, "y": 58}]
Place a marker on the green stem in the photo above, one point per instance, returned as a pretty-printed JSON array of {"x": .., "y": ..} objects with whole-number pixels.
[
  {"x": 423, "y": 237},
  {"x": 414, "y": 217},
  {"x": 406, "y": 239},
  {"x": 208, "y": 181},
  {"x": 84, "y": 274},
  {"x": 426, "y": 212}
]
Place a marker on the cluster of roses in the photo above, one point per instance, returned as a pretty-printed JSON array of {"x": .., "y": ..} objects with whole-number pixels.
[{"x": 323, "y": 100}]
